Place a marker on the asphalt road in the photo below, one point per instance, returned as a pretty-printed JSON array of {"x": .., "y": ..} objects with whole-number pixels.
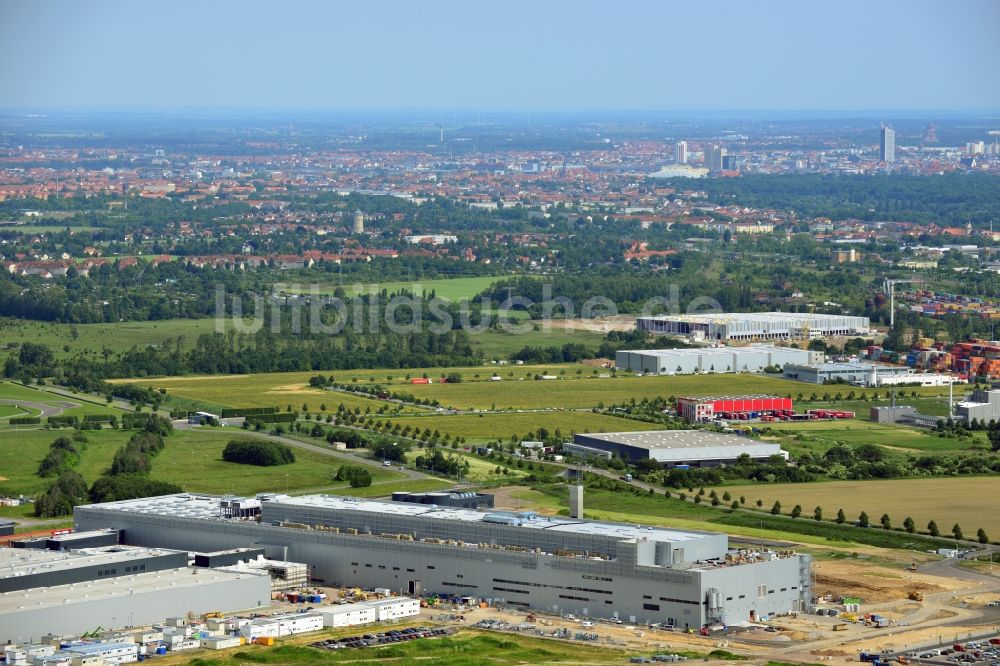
[{"x": 46, "y": 409}]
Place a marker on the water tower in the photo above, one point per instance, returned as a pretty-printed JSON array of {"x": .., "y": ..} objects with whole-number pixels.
[{"x": 359, "y": 222}]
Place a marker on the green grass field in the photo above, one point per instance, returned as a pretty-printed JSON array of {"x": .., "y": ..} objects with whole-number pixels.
[
  {"x": 193, "y": 460},
  {"x": 20, "y": 453},
  {"x": 11, "y": 391},
  {"x": 467, "y": 648},
  {"x": 95, "y": 337},
  {"x": 856, "y": 431},
  {"x": 502, "y": 426},
  {"x": 495, "y": 344},
  {"x": 266, "y": 390},
  {"x": 453, "y": 289},
  {"x": 7, "y": 411},
  {"x": 46, "y": 228}
]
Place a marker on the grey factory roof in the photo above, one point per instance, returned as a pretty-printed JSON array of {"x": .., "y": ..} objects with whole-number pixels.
[
  {"x": 207, "y": 508},
  {"x": 856, "y": 366},
  {"x": 709, "y": 351},
  {"x": 671, "y": 439},
  {"x": 68, "y": 539},
  {"x": 729, "y": 317},
  {"x": 526, "y": 519},
  {"x": 23, "y": 561},
  {"x": 120, "y": 586}
]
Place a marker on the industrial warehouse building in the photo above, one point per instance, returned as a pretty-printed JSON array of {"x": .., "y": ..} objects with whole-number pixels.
[
  {"x": 598, "y": 569},
  {"x": 859, "y": 374},
  {"x": 694, "y": 448},
  {"x": 751, "y": 326},
  {"x": 71, "y": 541},
  {"x": 23, "y": 569},
  {"x": 982, "y": 405},
  {"x": 111, "y": 587},
  {"x": 713, "y": 359},
  {"x": 366, "y": 612},
  {"x": 696, "y": 410}
]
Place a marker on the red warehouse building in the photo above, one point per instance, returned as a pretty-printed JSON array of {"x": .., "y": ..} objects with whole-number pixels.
[{"x": 742, "y": 407}]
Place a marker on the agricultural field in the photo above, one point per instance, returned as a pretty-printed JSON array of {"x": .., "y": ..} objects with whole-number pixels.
[
  {"x": 673, "y": 513},
  {"x": 963, "y": 500},
  {"x": 502, "y": 426},
  {"x": 518, "y": 391},
  {"x": 578, "y": 386}
]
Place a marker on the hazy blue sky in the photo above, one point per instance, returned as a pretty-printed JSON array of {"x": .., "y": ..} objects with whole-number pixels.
[{"x": 504, "y": 54}]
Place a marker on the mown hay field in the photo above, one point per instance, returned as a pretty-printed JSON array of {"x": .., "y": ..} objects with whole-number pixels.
[{"x": 968, "y": 501}]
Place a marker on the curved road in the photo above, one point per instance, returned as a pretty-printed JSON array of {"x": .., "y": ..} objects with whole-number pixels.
[{"x": 46, "y": 409}]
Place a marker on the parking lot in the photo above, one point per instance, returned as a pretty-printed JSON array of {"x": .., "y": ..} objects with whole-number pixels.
[
  {"x": 381, "y": 638},
  {"x": 973, "y": 653}
]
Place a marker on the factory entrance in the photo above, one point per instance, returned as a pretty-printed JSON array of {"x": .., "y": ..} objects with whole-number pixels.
[{"x": 414, "y": 589}]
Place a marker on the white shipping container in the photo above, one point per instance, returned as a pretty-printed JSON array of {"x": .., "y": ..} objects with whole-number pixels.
[
  {"x": 394, "y": 609},
  {"x": 220, "y": 642},
  {"x": 348, "y": 615},
  {"x": 283, "y": 625}
]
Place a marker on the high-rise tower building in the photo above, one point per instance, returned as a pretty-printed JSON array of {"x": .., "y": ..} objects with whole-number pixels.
[
  {"x": 887, "y": 145},
  {"x": 930, "y": 136},
  {"x": 681, "y": 152},
  {"x": 359, "y": 222},
  {"x": 713, "y": 157}
]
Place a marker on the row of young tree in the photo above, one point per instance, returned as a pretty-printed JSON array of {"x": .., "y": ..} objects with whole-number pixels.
[
  {"x": 863, "y": 520},
  {"x": 885, "y": 522}
]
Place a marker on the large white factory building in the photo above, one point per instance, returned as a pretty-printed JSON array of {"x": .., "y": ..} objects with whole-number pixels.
[
  {"x": 751, "y": 326},
  {"x": 596, "y": 569}
]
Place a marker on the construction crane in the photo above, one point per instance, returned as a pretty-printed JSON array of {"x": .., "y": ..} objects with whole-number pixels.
[{"x": 889, "y": 288}]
